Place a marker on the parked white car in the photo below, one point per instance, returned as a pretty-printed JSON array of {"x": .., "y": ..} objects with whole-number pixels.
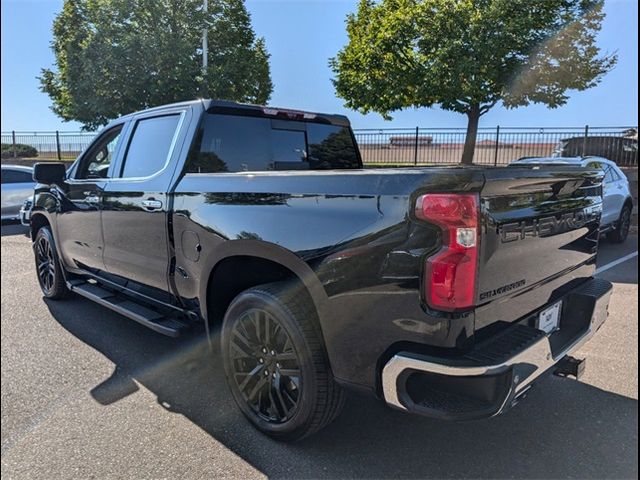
[
  {"x": 17, "y": 187},
  {"x": 617, "y": 201}
]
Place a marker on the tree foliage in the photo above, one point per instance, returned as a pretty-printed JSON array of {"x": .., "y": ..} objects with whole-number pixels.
[
  {"x": 117, "y": 56},
  {"x": 468, "y": 55}
]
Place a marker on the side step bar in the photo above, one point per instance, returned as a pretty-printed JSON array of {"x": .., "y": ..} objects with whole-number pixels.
[{"x": 123, "y": 305}]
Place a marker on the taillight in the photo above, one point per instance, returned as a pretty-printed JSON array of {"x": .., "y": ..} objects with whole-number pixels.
[{"x": 450, "y": 274}]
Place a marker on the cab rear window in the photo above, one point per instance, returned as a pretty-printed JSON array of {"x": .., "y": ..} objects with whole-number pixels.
[{"x": 235, "y": 143}]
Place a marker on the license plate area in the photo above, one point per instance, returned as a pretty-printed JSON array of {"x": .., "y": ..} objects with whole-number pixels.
[{"x": 549, "y": 318}]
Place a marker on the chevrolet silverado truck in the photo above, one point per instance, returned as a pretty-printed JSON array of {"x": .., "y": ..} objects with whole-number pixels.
[{"x": 444, "y": 291}]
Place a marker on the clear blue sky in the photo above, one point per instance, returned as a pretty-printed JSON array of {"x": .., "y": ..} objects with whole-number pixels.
[{"x": 301, "y": 36}]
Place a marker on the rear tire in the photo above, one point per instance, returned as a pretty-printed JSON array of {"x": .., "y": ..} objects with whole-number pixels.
[
  {"x": 621, "y": 232},
  {"x": 276, "y": 364},
  {"x": 48, "y": 266}
]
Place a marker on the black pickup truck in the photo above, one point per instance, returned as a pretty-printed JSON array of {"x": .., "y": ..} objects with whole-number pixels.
[{"x": 444, "y": 291}]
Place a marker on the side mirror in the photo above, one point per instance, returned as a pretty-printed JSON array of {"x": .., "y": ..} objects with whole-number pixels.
[{"x": 49, "y": 173}]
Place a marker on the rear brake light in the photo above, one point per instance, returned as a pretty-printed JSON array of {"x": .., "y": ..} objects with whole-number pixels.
[
  {"x": 290, "y": 114},
  {"x": 450, "y": 274}
]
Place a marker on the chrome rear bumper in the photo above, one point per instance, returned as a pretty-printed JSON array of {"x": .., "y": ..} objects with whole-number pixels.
[{"x": 507, "y": 379}]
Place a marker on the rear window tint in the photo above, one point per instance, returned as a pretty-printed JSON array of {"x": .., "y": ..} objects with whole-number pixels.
[
  {"x": 331, "y": 146},
  {"x": 234, "y": 143},
  {"x": 288, "y": 146}
]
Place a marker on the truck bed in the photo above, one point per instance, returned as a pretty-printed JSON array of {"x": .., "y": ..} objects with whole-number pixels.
[{"x": 354, "y": 231}]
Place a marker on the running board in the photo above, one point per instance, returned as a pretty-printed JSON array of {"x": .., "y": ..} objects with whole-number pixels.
[{"x": 156, "y": 321}]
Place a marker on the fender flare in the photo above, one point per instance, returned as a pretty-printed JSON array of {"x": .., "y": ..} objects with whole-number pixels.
[
  {"x": 267, "y": 251},
  {"x": 46, "y": 215}
]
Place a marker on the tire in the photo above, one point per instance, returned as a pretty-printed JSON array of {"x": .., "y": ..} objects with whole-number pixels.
[
  {"x": 48, "y": 266},
  {"x": 621, "y": 232},
  {"x": 274, "y": 328}
]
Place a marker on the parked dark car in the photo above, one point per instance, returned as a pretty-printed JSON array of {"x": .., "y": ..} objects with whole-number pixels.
[
  {"x": 621, "y": 150},
  {"x": 444, "y": 291}
]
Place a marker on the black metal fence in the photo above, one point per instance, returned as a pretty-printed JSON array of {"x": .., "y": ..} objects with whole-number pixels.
[
  {"x": 416, "y": 146},
  {"x": 495, "y": 146},
  {"x": 56, "y": 145}
]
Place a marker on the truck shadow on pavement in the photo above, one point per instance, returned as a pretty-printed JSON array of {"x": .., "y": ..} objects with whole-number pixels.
[{"x": 564, "y": 428}]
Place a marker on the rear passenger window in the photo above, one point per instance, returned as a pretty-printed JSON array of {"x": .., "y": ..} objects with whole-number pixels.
[
  {"x": 615, "y": 174},
  {"x": 229, "y": 143},
  {"x": 608, "y": 175},
  {"x": 148, "y": 150}
]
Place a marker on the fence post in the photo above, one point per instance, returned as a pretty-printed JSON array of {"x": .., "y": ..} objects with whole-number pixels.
[
  {"x": 495, "y": 158},
  {"x": 58, "y": 145},
  {"x": 415, "y": 153},
  {"x": 13, "y": 142},
  {"x": 584, "y": 142}
]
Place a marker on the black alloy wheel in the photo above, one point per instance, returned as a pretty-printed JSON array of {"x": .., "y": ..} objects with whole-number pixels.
[
  {"x": 265, "y": 366},
  {"x": 48, "y": 267},
  {"x": 275, "y": 361}
]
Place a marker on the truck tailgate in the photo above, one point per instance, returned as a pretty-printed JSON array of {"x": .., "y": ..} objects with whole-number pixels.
[{"x": 539, "y": 237}]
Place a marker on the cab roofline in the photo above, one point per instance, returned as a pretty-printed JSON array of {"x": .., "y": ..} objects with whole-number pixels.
[
  {"x": 231, "y": 108},
  {"x": 248, "y": 109}
]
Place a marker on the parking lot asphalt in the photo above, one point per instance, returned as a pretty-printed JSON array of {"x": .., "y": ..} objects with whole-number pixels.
[{"x": 88, "y": 393}]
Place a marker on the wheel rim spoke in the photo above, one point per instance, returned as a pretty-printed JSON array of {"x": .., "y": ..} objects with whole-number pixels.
[
  {"x": 267, "y": 327},
  {"x": 242, "y": 344},
  {"x": 256, "y": 325},
  {"x": 280, "y": 401},
  {"x": 257, "y": 388},
  {"x": 249, "y": 376},
  {"x": 290, "y": 372},
  {"x": 266, "y": 367},
  {"x": 291, "y": 355}
]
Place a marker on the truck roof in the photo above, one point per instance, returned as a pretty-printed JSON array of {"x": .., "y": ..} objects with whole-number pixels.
[{"x": 225, "y": 106}]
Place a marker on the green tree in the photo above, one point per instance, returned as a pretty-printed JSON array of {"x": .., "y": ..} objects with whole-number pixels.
[
  {"x": 117, "y": 56},
  {"x": 468, "y": 55}
]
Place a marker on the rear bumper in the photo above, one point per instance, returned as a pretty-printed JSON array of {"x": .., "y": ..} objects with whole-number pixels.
[{"x": 490, "y": 379}]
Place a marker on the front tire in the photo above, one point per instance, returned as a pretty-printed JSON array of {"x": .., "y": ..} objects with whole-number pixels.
[
  {"x": 275, "y": 362},
  {"x": 48, "y": 266},
  {"x": 621, "y": 232}
]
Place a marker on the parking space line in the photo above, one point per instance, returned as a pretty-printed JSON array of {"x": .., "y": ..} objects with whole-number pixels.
[{"x": 609, "y": 265}]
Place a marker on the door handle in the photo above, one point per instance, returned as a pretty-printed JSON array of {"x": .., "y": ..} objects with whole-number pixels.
[
  {"x": 151, "y": 205},
  {"x": 93, "y": 199}
]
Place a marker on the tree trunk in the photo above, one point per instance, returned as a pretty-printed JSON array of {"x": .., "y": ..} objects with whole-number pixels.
[{"x": 472, "y": 132}]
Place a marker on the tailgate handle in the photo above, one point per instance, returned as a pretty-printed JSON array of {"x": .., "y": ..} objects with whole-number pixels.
[{"x": 151, "y": 204}]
